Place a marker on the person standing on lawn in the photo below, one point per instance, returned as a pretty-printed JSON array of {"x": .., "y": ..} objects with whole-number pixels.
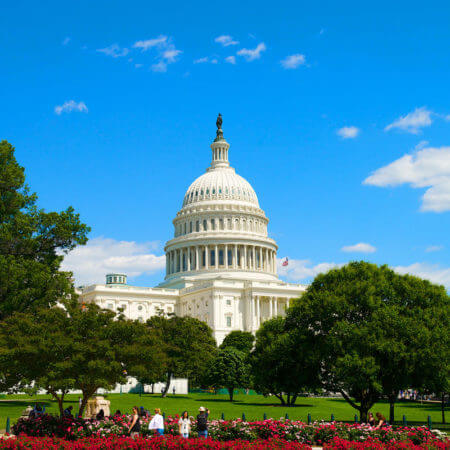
[
  {"x": 184, "y": 425},
  {"x": 157, "y": 423},
  {"x": 135, "y": 425},
  {"x": 202, "y": 422}
]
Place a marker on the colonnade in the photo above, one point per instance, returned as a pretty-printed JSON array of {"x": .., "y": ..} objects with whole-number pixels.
[
  {"x": 221, "y": 256},
  {"x": 272, "y": 308}
]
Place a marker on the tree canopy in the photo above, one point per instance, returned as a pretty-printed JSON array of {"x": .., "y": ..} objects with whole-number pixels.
[
  {"x": 368, "y": 324},
  {"x": 228, "y": 369},
  {"x": 277, "y": 367},
  {"x": 240, "y": 340},
  {"x": 188, "y": 344},
  {"x": 81, "y": 347},
  {"x": 32, "y": 243}
]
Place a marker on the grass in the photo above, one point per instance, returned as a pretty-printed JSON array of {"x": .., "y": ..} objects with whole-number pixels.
[{"x": 254, "y": 407}]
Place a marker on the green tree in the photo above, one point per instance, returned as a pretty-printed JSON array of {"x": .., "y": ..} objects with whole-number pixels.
[
  {"x": 240, "y": 340},
  {"x": 80, "y": 347},
  {"x": 365, "y": 323},
  {"x": 228, "y": 369},
  {"x": 188, "y": 344},
  {"x": 32, "y": 243},
  {"x": 277, "y": 368}
]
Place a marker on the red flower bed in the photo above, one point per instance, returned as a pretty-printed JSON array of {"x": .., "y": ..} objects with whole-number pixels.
[
  {"x": 162, "y": 442},
  {"x": 375, "y": 444}
]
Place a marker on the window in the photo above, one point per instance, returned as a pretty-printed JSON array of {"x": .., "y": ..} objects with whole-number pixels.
[
  {"x": 140, "y": 319},
  {"x": 197, "y": 226},
  {"x": 228, "y": 321},
  {"x": 228, "y": 302},
  {"x": 110, "y": 306},
  {"x": 140, "y": 308},
  {"x": 190, "y": 227},
  {"x": 169, "y": 309},
  {"x": 213, "y": 224}
]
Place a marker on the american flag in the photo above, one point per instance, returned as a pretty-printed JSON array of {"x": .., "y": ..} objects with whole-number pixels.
[{"x": 285, "y": 262}]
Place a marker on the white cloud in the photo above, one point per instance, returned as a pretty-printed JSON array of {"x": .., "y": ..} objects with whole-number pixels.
[
  {"x": 226, "y": 40},
  {"x": 69, "y": 106},
  {"x": 138, "y": 65},
  {"x": 161, "y": 66},
  {"x": 361, "y": 247},
  {"x": 114, "y": 50},
  {"x": 447, "y": 118},
  {"x": 90, "y": 263},
  {"x": 302, "y": 269},
  {"x": 252, "y": 54},
  {"x": 170, "y": 55},
  {"x": 214, "y": 61},
  {"x": 293, "y": 61},
  {"x": 432, "y": 272},
  {"x": 150, "y": 43},
  {"x": 434, "y": 248},
  {"x": 412, "y": 122},
  {"x": 322, "y": 31},
  {"x": 427, "y": 168},
  {"x": 66, "y": 40},
  {"x": 201, "y": 60},
  {"x": 166, "y": 51},
  {"x": 348, "y": 132},
  {"x": 231, "y": 59}
]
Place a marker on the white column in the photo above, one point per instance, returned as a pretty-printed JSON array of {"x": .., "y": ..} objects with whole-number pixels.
[
  {"x": 261, "y": 258},
  {"x": 258, "y": 311},
  {"x": 216, "y": 257},
  {"x": 244, "y": 259},
  {"x": 266, "y": 261},
  {"x": 225, "y": 260},
  {"x": 276, "y": 306},
  {"x": 270, "y": 307},
  {"x": 253, "y": 313},
  {"x": 188, "y": 262},
  {"x": 196, "y": 258},
  {"x": 167, "y": 263},
  {"x": 287, "y": 303},
  {"x": 235, "y": 259},
  {"x": 206, "y": 258}
]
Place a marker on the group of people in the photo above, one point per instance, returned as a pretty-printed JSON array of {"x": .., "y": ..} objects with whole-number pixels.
[
  {"x": 377, "y": 422},
  {"x": 156, "y": 423}
]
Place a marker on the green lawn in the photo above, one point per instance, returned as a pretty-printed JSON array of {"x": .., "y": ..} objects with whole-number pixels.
[{"x": 254, "y": 407}]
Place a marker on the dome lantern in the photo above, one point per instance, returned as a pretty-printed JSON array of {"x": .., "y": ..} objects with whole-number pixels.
[{"x": 219, "y": 147}]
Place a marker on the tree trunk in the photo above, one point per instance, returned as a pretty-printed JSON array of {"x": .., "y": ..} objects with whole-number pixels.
[
  {"x": 87, "y": 394},
  {"x": 231, "y": 392},
  {"x": 288, "y": 399},
  {"x": 59, "y": 399},
  {"x": 280, "y": 397},
  {"x": 443, "y": 407},
  {"x": 392, "y": 400},
  {"x": 293, "y": 399},
  {"x": 166, "y": 387},
  {"x": 153, "y": 388}
]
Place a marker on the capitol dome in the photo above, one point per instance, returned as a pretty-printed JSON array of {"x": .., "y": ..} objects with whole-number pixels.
[
  {"x": 220, "y": 228},
  {"x": 220, "y": 184}
]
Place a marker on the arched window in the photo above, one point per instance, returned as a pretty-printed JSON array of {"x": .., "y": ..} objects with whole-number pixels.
[
  {"x": 197, "y": 226},
  {"x": 213, "y": 224},
  {"x": 205, "y": 225},
  {"x": 213, "y": 191}
]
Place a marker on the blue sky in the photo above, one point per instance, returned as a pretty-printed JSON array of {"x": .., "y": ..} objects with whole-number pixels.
[{"x": 338, "y": 114}]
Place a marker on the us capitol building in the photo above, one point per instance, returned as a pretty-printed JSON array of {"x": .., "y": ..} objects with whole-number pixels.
[{"x": 220, "y": 264}]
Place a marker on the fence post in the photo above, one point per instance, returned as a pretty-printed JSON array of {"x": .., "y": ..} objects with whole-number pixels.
[
  {"x": 429, "y": 422},
  {"x": 8, "y": 425},
  {"x": 223, "y": 416},
  {"x": 332, "y": 417},
  {"x": 356, "y": 418},
  {"x": 404, "y": 421},
  {"x": 265, "y": 416},
  {"x": 309, "y": 419},
  {"x": 286, "y": 416},
  {"x": 243, "y": 417}
]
